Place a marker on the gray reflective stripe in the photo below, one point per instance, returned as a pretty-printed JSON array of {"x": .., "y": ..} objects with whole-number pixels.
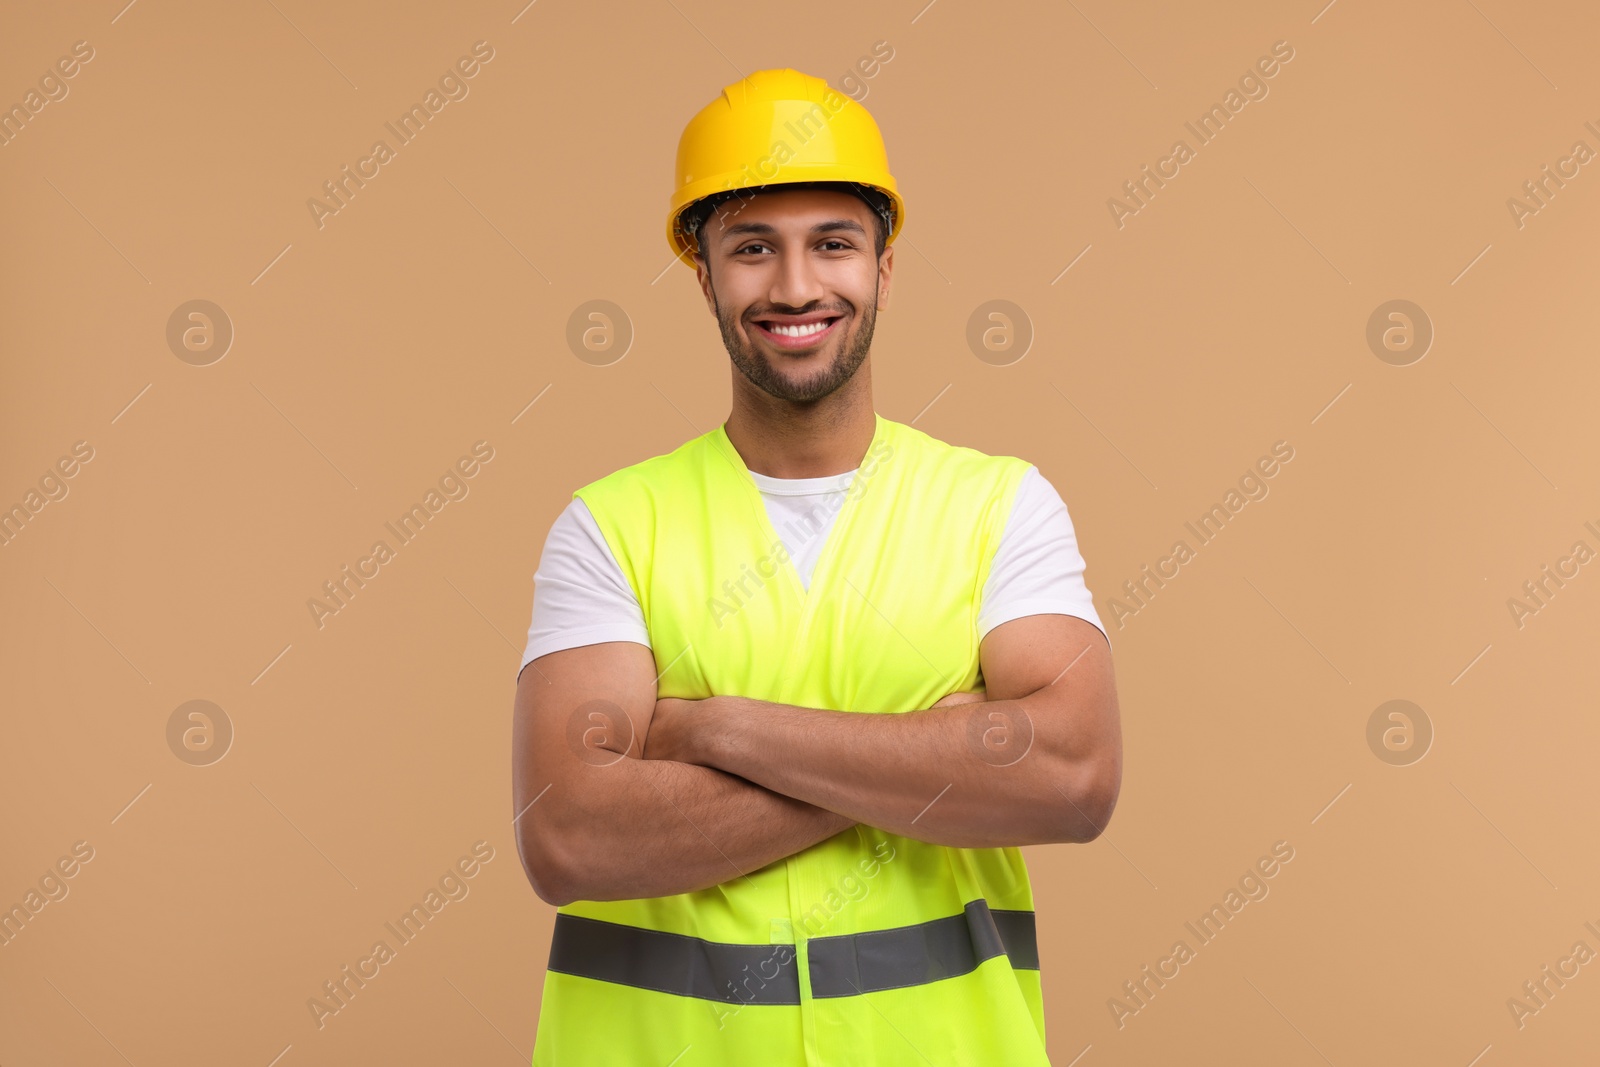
[
  {"x": 674, "y": 963},
  {"x": 1021, "y": 937},
  {"x": 841, "y": 965},
  {"x": 912, "y": 955}
]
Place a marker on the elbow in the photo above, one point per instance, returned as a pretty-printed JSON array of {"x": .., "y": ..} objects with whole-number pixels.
[
  {"x": 550, "y": 883},
  {"x": 544, "y": 865},
  {"x": 1091, "y": 796},
  {"x": 549, "y": 888}
]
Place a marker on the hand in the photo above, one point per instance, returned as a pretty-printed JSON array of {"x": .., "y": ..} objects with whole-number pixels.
[{"x": 963, "y": 698}]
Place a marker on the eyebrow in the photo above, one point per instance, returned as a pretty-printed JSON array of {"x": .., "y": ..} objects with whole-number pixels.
[{"x": 763, "y": 229}]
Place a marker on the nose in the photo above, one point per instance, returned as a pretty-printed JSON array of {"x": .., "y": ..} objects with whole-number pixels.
[{"x": 796, "y": 284}]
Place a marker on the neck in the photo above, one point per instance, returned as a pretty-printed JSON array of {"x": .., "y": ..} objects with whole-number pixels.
[{"x": 809, "y": 439}]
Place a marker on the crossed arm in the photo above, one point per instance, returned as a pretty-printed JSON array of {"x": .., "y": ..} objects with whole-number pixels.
[{"x": 620, "y": 795}]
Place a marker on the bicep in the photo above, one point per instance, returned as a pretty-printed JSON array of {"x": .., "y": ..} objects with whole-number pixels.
[
  {"x": 1040, "y": 631},
  {"x": 1038, "y": 651},
  {"x": 1059, "y": 668},
  {"x": 577, "y": 709},
  {"x": 587, "y": 679}
]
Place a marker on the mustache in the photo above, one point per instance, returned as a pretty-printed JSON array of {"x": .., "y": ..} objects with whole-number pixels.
[{"x": 757, "y": 316}]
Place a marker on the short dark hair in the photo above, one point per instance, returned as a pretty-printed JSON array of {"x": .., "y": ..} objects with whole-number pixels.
[{"x": 696, "y": 216}]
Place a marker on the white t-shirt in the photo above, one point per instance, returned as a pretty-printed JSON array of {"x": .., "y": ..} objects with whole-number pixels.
[{"x": 580, "y": 596}]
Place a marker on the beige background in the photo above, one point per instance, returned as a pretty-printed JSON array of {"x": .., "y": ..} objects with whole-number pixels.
[{"x": 1228, "y": 314}]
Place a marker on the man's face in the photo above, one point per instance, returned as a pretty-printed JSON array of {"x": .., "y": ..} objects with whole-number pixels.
[{"x": 795, "y": 260}]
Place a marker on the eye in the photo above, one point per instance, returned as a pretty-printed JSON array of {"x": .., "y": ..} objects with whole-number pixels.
[{"x": 748, "y": 247}]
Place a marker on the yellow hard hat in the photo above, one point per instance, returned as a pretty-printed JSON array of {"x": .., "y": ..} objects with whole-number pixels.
[{"x": 777, "y": 127}]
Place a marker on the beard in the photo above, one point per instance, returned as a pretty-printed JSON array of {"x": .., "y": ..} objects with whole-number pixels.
[{"x": 758, "y": 367}]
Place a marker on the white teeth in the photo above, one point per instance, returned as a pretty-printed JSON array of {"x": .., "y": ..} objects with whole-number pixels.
[{"x": 798, "y": 331}]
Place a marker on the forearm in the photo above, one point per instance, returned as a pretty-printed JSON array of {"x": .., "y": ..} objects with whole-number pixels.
[
  {"x": 648, "y": 828},
  {"x": 935, "y": 775}
]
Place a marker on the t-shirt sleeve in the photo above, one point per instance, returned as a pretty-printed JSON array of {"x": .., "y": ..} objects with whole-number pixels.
[
  {"x": 1037, "y": 568},
  {"x": 580, "y": 596}
]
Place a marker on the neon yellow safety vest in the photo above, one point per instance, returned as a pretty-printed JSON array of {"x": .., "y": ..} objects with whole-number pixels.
[{"x": 867, "y": 948}]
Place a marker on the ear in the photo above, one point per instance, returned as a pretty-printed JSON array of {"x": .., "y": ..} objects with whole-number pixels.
[
  {"x": 702, "y": 273},
  {"x": 885, "y": 274}
]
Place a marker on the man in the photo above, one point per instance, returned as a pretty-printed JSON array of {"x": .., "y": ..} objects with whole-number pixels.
[{"x": 795, "y": 692}]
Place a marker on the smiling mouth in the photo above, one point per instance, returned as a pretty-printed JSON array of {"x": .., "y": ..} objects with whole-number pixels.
[{"x": 794, "y": 337}]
